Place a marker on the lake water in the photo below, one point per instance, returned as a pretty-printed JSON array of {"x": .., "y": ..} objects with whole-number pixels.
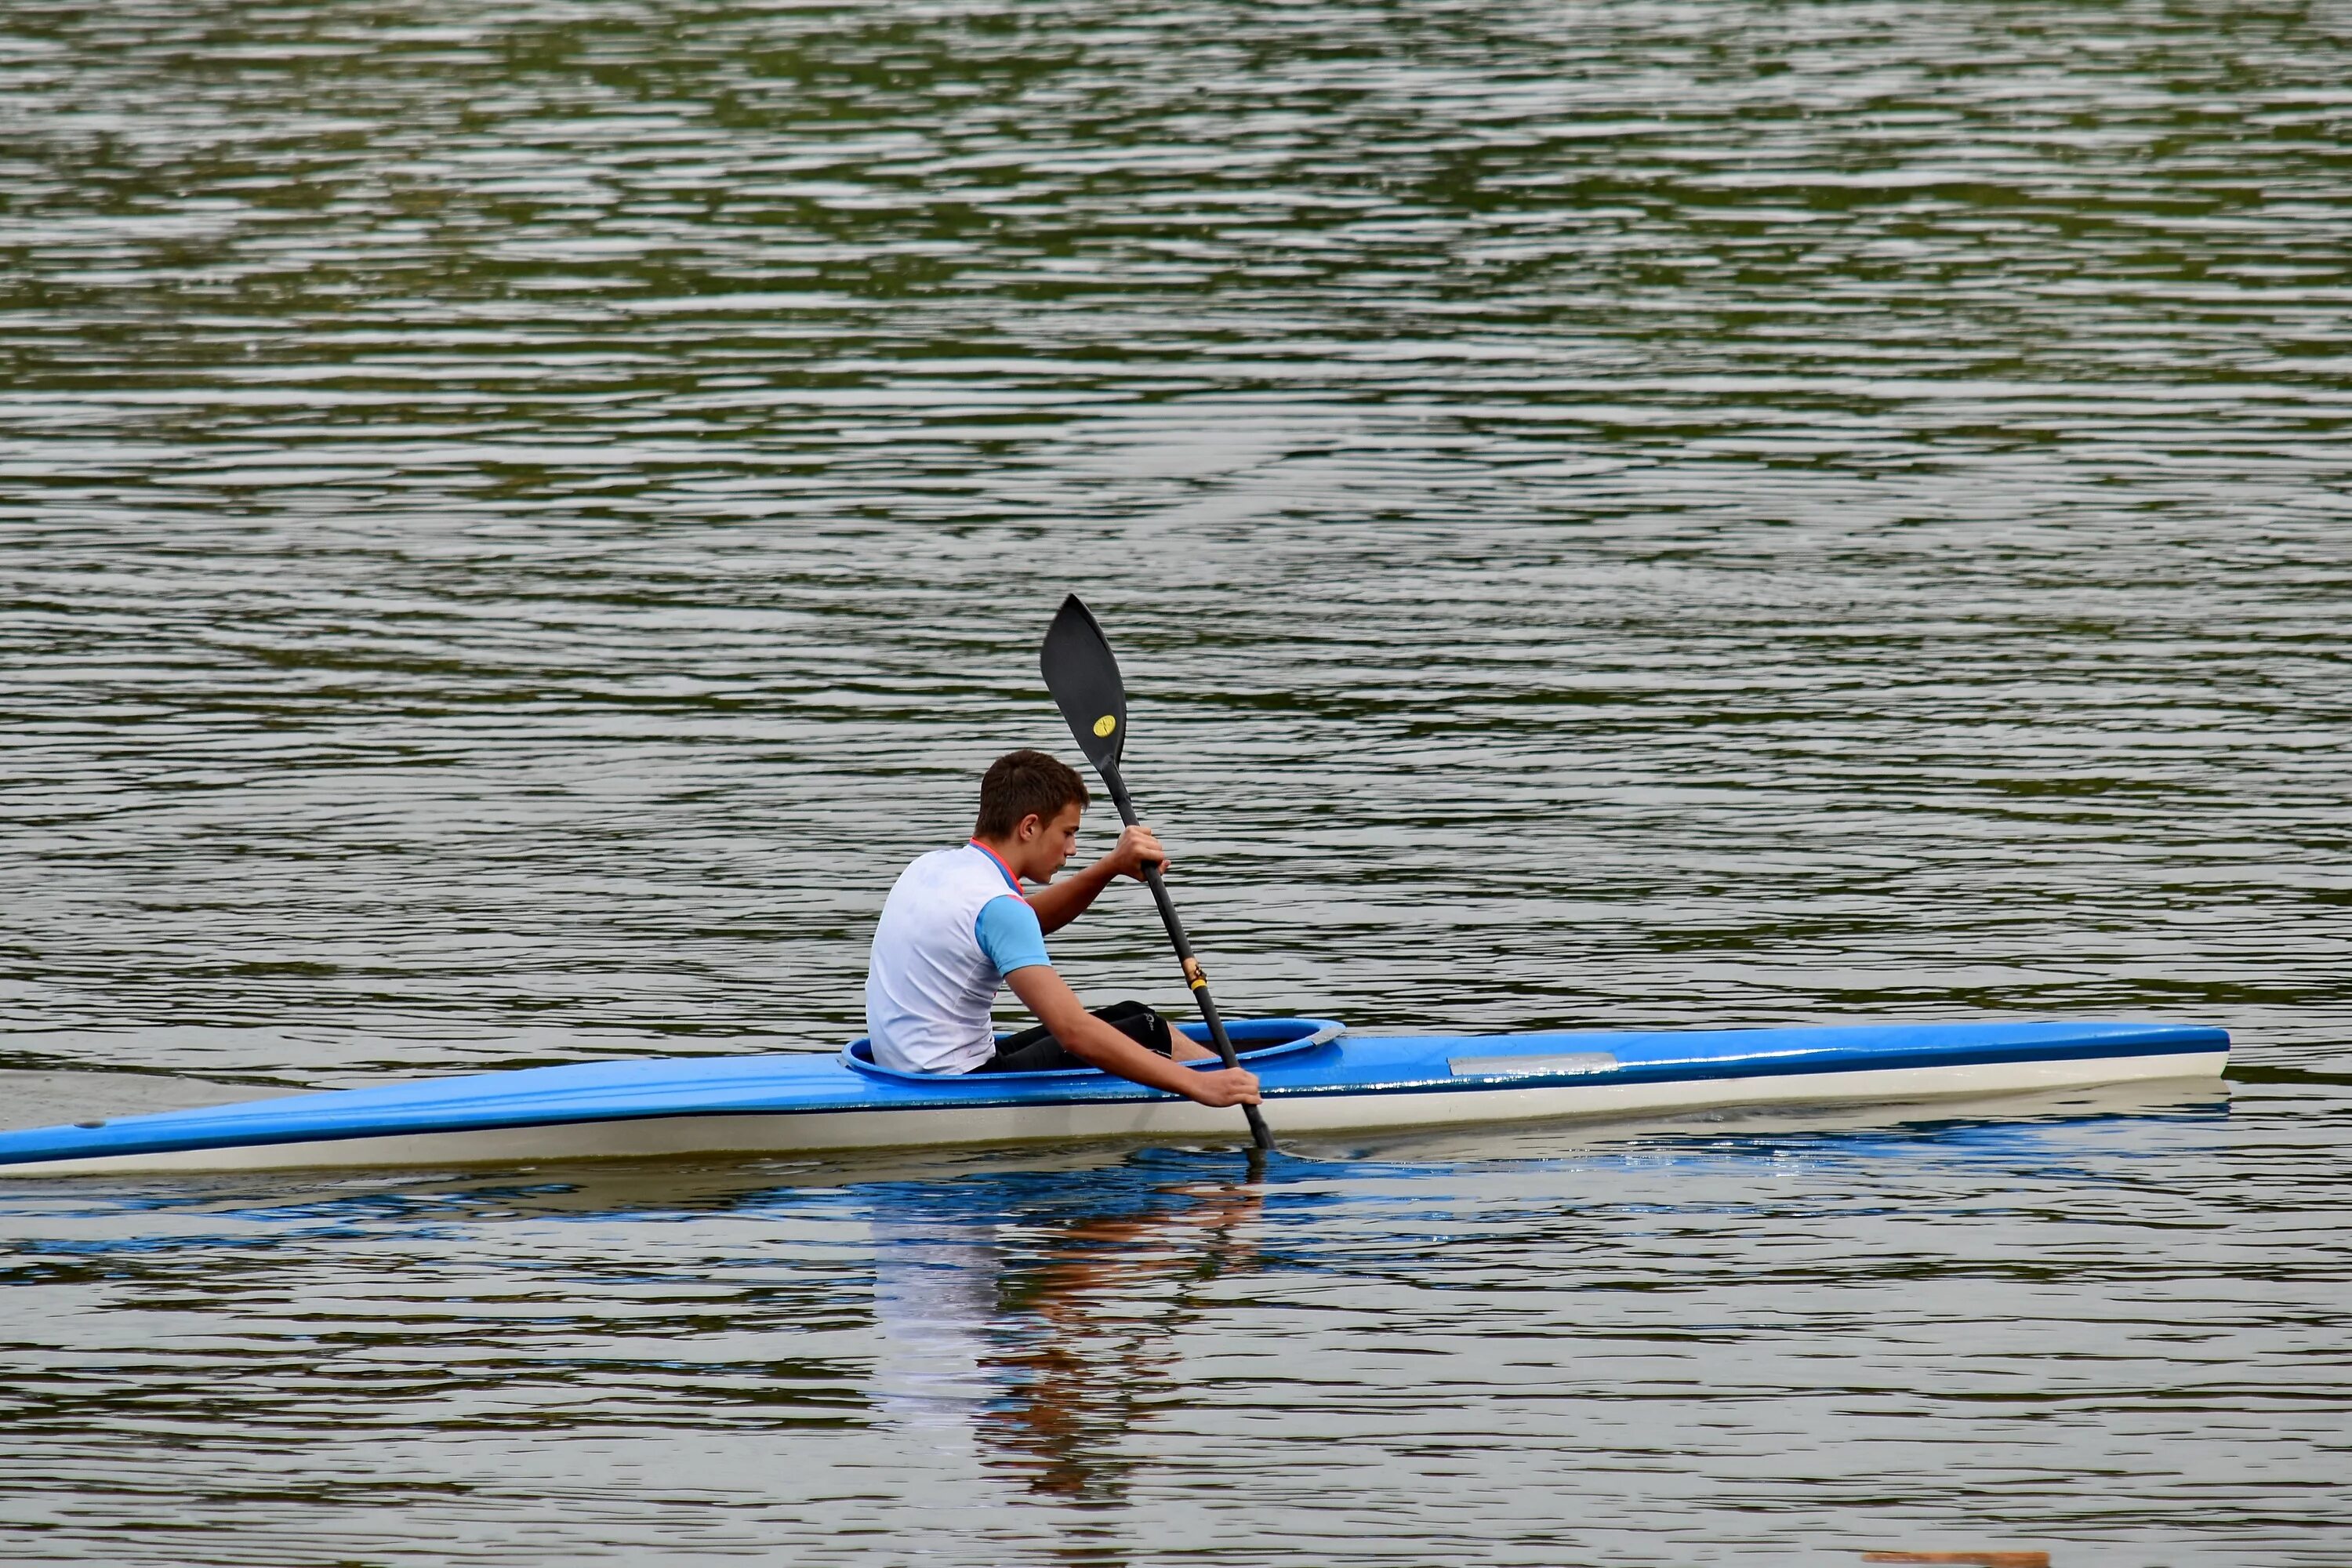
[{"x": 519, "y": 519}]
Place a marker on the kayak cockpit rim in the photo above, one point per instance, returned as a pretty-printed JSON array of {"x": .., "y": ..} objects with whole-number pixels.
[{"x": 1254, "y": 1041}]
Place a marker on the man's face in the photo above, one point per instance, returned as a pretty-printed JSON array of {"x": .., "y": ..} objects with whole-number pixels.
[{"x": 1053, "y": 844}]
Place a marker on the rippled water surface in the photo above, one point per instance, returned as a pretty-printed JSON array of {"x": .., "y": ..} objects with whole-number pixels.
[{"x": 516, "y": 521}]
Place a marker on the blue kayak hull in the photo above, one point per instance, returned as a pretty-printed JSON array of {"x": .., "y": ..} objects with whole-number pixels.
[{"x": 1317, "y": 1079}]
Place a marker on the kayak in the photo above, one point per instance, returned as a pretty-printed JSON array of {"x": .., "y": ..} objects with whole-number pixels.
[{"x": 1316, "y": 1078}]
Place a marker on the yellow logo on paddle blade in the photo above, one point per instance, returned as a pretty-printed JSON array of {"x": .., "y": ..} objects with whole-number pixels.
[{"x": 1106, "y": 724}]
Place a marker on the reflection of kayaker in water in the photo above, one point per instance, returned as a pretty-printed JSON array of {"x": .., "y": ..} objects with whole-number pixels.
[
  {"x": 1088, "y": 1338},
  {"x": 956, "y": 925},
  {"x": 1034, "y": 1342}
]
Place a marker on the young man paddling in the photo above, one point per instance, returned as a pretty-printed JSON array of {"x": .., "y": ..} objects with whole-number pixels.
[{"x": 957, "y": 925}]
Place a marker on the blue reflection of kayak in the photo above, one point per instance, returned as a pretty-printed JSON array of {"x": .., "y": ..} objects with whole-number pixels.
[{"x": 1317, "y": 1079}]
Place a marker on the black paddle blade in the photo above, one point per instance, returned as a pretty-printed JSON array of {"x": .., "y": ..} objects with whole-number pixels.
[{"x": 1083, "y": 679}]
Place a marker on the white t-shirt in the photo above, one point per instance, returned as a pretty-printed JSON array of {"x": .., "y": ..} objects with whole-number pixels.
[{"x": 954, "y": 925}]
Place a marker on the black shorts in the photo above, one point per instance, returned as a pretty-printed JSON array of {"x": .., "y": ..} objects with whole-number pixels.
[{"x": 1036, "y": 1050}]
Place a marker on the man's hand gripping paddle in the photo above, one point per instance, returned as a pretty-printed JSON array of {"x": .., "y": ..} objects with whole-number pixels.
[{"x": 1083, "y": 679}]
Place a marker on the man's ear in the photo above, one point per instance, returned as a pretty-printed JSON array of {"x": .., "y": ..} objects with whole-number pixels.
[{"x": 1029, "y": 827}]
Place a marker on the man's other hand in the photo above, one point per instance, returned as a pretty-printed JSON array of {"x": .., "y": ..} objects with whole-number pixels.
[
  {"x": 1227, "y": 1086},
  {"x": 1138, "y": 848}
]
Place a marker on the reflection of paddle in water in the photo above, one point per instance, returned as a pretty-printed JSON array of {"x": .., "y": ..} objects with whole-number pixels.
[{"x": 1046, "y": 1354}]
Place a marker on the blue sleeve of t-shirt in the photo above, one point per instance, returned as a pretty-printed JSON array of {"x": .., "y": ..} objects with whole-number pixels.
[{"x": 1009, "y": 933}]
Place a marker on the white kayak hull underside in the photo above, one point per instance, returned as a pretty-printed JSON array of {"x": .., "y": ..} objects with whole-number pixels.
[{"x": 805, "y": 1132}]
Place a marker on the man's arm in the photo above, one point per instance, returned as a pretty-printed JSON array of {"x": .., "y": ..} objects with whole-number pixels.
[
  {"x": 1045, "y": 993},
  {"x": 1059, "y": 903}
]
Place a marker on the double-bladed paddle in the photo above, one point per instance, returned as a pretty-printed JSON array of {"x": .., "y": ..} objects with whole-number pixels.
[{"x": 1083, "y": 679}]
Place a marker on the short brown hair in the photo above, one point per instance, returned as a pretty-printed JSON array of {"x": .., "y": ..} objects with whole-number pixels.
[{"x": 1025, "y": 783}]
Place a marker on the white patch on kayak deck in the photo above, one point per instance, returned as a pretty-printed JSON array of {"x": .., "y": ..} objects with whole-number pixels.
[{"x": 1530, "y": 1067}]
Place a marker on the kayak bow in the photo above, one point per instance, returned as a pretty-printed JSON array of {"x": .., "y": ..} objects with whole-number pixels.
[{"x": 1327, "y": 1081}]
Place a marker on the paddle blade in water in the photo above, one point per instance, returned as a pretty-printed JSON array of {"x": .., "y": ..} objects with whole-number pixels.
[{"x": 1083, "y": 679}]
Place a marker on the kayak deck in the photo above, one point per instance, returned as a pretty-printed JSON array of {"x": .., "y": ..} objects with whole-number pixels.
[{"x": 1315, "y": 1078}]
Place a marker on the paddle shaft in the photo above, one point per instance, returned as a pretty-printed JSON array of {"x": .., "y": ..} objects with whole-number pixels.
[{"x": 1259, "y": 1133}]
